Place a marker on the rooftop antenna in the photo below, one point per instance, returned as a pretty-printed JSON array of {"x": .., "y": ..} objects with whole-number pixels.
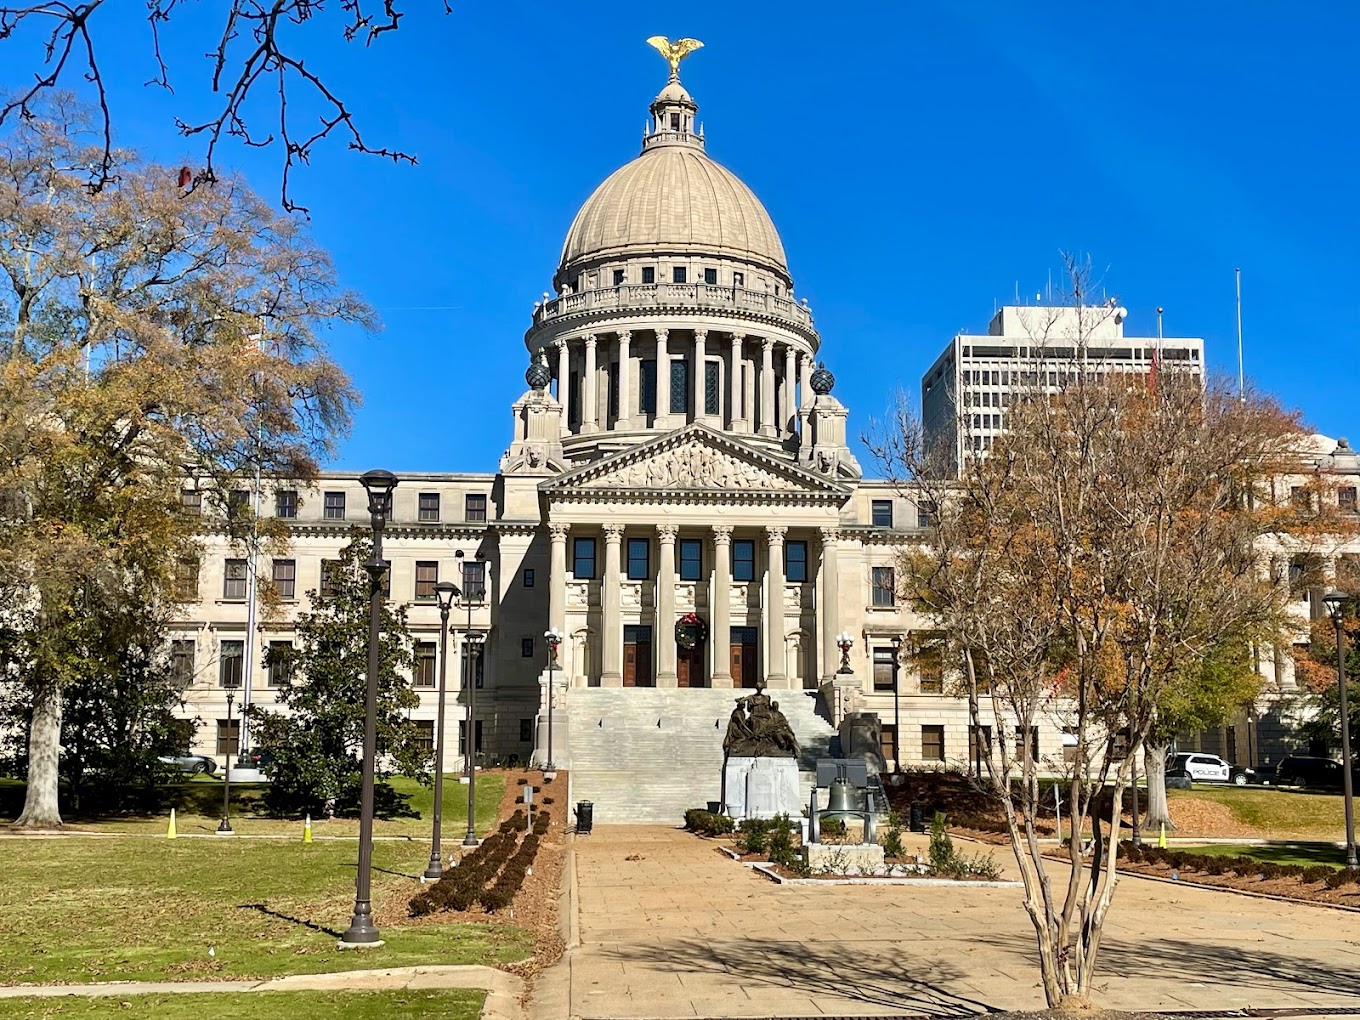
[
  {"x": 1048, "y": 288},
  {"x": 1017, "y": 292},
  {"x": 1241, "y": 379}
]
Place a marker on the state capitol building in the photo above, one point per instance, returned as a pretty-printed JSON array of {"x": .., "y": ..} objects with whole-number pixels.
[{"x": 678, "y": 499}]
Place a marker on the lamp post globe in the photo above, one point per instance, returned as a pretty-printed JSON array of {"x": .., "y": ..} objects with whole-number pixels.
[
  {"x": 444, "y": 592},
  {"x": 844, "y": 641},
  {"x": 1335, "y": 601},
  {"x": 362, "y": 933}
]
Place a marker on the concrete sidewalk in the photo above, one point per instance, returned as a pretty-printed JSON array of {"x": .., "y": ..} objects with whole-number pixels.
[{"x": 681, "y": 931}]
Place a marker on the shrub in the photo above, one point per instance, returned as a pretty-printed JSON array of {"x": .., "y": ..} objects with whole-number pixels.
[
  {"x": 947, "y": 862},
  {"x": 1316, "y": 873},
  {"x": 754, "y": 835},
  {"x": 782, "y": 850},
  {"x": 833, "y": 829},
  {"x": 708, "y": 823},
  {"x": 892, "y": 839}
]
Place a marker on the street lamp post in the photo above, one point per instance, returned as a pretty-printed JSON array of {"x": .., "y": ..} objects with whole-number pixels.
[
  {"x": 362, "y": 933},
  {"x": 224, "y": 827},
  {"x": 554, "y": 638},
  {"x": 1336, "y": 605},
  {"x": 897, "y": 714},
  {"x": 445, "y": 592},
  {"x": 473, "y": 644},
  {"x": 845, "y": 642}
]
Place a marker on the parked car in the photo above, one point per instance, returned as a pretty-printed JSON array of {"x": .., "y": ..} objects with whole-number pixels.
[
  {"x": 1177, "y": 779},
  {"x": 1210, "y": 768},
  {"x": 1313, "y": 773},
  {"x": 190, "y": 764},
  {"x": 254, "y": 759}
]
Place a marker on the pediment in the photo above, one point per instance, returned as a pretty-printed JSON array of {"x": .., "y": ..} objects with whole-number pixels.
[{"x": 697, "y": 460}]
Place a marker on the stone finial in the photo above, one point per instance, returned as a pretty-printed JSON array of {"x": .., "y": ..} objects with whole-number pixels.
[
  {"x": 538, "y": 375},
  {"x": 822, "y": 381}
]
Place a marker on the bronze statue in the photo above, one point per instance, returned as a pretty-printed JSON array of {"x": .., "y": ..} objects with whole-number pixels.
[{"x": 757, "y": 729}]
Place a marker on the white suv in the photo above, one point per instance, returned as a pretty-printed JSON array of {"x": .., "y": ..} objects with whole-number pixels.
[{"x": 1209, "y": 768}]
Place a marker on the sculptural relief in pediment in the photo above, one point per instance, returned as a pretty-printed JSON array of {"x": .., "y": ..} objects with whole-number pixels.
[{"x": 693, "y": 466}]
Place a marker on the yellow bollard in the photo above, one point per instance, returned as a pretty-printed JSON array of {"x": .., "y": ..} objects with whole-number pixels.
[
  {"x": 170, "y": 832},
  {"x": 1161, "y": 836},
  {"x": 307, "y": 830}
]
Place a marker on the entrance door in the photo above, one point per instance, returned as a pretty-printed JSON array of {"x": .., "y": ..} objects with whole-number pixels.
[
  {"x": 689, "y": 666},
  {"x": 637, "y": 657},
  {"x": 745, "y": 641}
]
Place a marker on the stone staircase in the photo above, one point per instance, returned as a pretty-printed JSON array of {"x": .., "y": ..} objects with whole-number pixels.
[{"x": 646, "y": 754}]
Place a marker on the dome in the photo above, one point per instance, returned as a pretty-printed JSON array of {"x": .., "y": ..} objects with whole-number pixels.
[{"x": 674, "y": 198}]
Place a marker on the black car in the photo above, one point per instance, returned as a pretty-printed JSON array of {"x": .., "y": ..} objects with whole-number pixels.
[
  {"x": 1178, "y": 779},
  {"x": 1309, "y": 772}
]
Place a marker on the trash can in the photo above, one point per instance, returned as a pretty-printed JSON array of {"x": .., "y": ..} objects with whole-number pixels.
[
  {"x": 585, "y": 817},
  {"x": 918, "y": 817}
]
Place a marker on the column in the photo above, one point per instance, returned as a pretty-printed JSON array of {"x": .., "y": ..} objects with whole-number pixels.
[
  {"x": 789, "y": 418},
  {"x": 828, "y": 609},
  {"x": 663, "y": 379},
  {"x": 767, "y": 387},
  {"x": 734, "y": 393},
  {"x": 557, "y": 580},
  {"x": 564, "y": 383},
  {"x": 664, "y": 633},
  {"x": 610, "y": 598},
  {"x": 720, "y": 602},
  {"x": 697, "y": 373},
  {"x": 625, "y": 420},
  {"x": 804, "y": 394},
  {"x": 774, "y": 607},
  {"x": 589, "y": 417}
]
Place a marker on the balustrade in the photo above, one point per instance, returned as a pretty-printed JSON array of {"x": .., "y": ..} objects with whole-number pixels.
[{"x": 674, "y": 295}]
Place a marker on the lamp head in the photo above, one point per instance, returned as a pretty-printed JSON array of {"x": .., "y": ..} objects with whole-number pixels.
[
  {"x": 379, "y": 485},
  {"x": 445, "y": 592},
  {"x": 1335, "y": 601},
  {"x": 458, "y": 555},
  {"x": 897, "y": 642}
]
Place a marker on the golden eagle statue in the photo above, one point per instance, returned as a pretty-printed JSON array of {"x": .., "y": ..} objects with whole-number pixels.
[{"x": 674, "y": 52}]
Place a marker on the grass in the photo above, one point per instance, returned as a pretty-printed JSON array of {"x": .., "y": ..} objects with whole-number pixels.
[
  {"x": 1306, "y": 854},
  {"x": 1273, "y": 811},
  {"x": 81, "y": 909},
  {"x": 199, "y": 809},
  {"x": 445, "y": 1004}
]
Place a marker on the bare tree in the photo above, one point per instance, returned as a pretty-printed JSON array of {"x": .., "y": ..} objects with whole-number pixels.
[
  {"x": 256, "y": 50},
  {"x": 1092, "y": 560}
]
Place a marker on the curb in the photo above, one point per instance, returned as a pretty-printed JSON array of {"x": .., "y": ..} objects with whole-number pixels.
[
  {"x": 1240, "y": 892},
  {"x": 938, "y": 883}
]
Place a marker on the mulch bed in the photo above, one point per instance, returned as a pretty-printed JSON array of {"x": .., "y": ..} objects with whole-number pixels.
[{"x": 1288, "y": 888}]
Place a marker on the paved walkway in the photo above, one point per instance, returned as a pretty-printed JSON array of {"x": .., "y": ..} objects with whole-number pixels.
[{"x": 680, "y": 931}]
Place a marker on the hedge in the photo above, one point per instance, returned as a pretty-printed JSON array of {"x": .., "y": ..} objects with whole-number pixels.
[{"x": 1246, "y": 867}]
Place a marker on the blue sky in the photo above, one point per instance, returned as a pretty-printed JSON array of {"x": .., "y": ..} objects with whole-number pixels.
[{"x": 922, "y": 161}]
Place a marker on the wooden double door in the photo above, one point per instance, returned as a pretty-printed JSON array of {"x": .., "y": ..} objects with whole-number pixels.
[
  {"x": 690, "y": 670},
  {"x": 637, "y": 657},
  {"x": 744, "y": 656}
]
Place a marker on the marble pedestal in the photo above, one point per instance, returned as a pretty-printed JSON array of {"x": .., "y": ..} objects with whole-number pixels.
[{"x": 762, "y": 787}]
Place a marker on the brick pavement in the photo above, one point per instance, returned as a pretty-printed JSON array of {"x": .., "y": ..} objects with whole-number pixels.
[{"x": 684, "y": 932}]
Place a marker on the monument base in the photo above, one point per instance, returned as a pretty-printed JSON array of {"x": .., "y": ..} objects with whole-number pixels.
[
  {"x": 762, "y": 788},
  {"x": 848, "y": 859}
]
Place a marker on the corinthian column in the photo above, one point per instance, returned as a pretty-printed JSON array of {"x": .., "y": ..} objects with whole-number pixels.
[
  {"x": 557, "y": 579},
  {"x": 665, "y": 606},
  {"x": 564, "y": 383},
  {"x": 828, "y": 609},
  {"x": 767, "y": 387},
  {"x": 788, "y": 419},
  {"x": 625, "y": 419},
  {"x": 697, "y": 375},
  {"x": 663, "y": 379},
  {"x": 774, "y": 606},
  {"x": 734, "y": 394},
  {"x": 589, "y": 418},
  {"x": 611, "y": 675},
  {"x": 720, "y": 601}
]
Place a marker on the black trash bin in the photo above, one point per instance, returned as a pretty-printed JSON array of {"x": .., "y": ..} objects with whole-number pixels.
[
  {"x": 585, "y": 817},
  {"x": 918, "y": 817}
]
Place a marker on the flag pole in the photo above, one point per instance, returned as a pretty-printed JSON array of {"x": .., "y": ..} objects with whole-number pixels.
[{"x": 1241, "y": 378}]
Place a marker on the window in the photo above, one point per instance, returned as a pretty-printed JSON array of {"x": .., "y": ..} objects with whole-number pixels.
[
  {"x": 710, "y": 276},
  {"x": 647, "y": 386},
  {"x": 691, "y": 559},
  {"x": 1345, "y": 498},
  {"x": 527, "y": 577},
  {"x": 278, "y": 660},
  {"x": 182, "y": 662},
  {"x": 285, "y": 503},
  {"x": 925, "y": 514},
  {"x": 619, "y": 276},
  {"x": 884, "y": 587},
  {"x": 526, "y": 730},
  {"x": 475, "y": 507},
  {"x": 462, "y": 735},
  {"x": 330, "y": 577},
  {"x": 333, "y": 506},
  {"x": 425, "y": 737},
  {"x": 186, "y": 579},
  {"x": 612, "y": 412},
  {"x": 234, "y": 580},
  {"x": 574, "y": 398},
  {"x": 583, "y": 559},
  {"x": 882, "y": 511},
  {"x": 649, "y": 274},
  {"x": 884, "y": 662},
  {"x": 930, "y": 667},
  {"x": 191, "y": 501},
  {"x": 526, "y": 648},
  {"x": 474, "y": 580},
  {"x": 1069, "y": 745},
  {"x": 1300, "y": 498},
  {"x": 285, "y": 578},
  {"x": 428, "y": 510},
  {"x": 639, "y": 567},
  {"x": 228, "y": 737},
  {"x": 427, "y": 573},
  {"x": 1031, "y": 746},
  {"x": 230, "y": 668},
  {"x": 743, "y": 559},
  {"x": 423, "y": 675},
  {"x": 932, "y": 743},
  {"x": 238, "y": 500},
  {"x": 678, "y": 274},
  {"x": 711, "y": 387},
  {"x": 679, "y": 387},
  {"x": 795, "y": 562},
  {"x": 979, "y": 743}
]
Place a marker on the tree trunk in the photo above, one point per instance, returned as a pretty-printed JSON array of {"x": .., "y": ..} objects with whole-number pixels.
[
  {"x": 41, "y": 810},
  {"x": 1154, "y": 768}
]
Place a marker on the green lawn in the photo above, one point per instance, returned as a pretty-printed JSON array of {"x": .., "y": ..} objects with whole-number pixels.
[
  {"x": 1306, "y": 854},
  {"x": 450, "y": 1004},
  {"x": 135, "y": 908},
  {"x": 199, "y": 809},
  {"x": 1272, "y": 811}
]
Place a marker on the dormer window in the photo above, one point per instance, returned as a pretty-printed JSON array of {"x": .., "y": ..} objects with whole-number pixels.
[
  {"x": 649, "y": 274},
  {"x": 678, "y": 274}
]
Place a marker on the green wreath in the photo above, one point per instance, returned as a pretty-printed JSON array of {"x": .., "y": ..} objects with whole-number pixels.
[{"x": 690, "y": 629}]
